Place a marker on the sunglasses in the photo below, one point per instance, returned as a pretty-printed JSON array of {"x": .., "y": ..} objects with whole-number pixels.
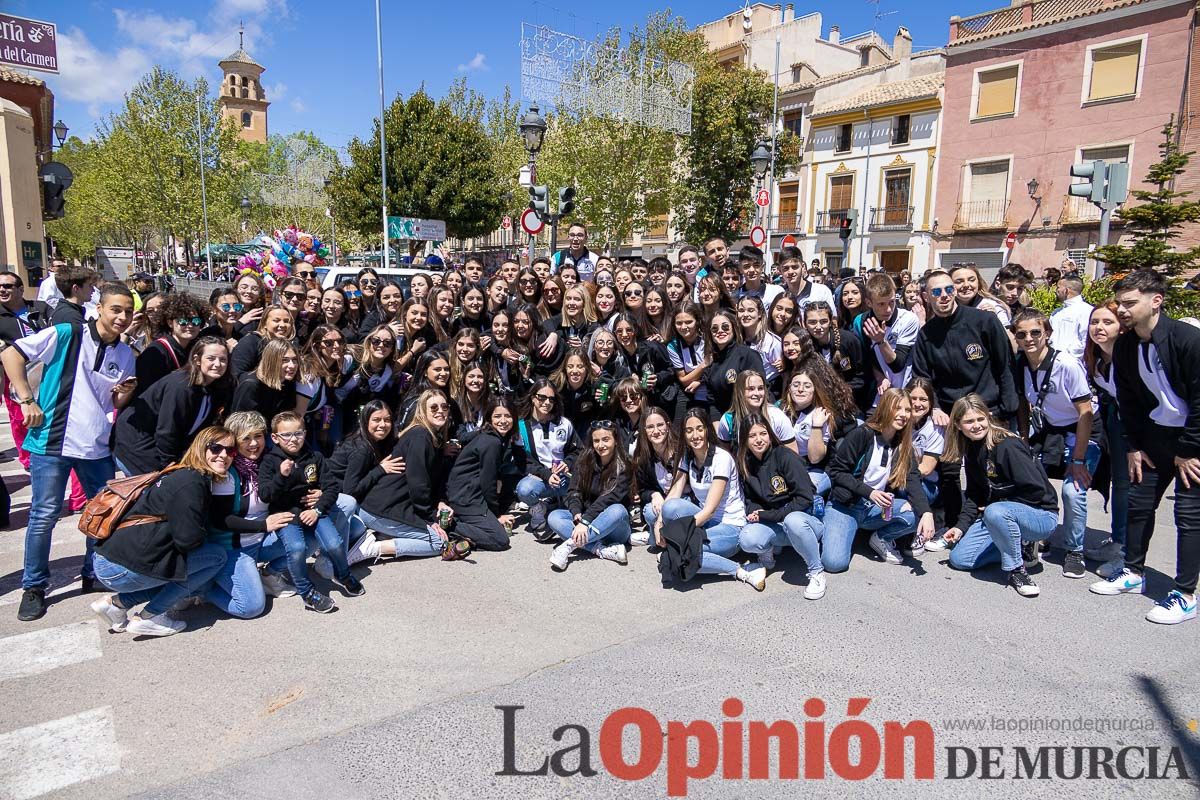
[
  {"x": 230, "y": 308},
  {"x": 216, "y": 449},
  {"x": 544, "y": 398},
  {"x": 627, "y": 396},
  {"x": 306, "y": 275},
  {"x": 604, "y": 425},
  {"x": 720, "y": 328},
  {"x": 194, "y": 322},
  {"x": 942, "y": 290},
  {"x": 438, "y": 407},
  {"x": 1021, "y": 336},
  {"x": 353, "y": 294},
  {"x": 378, "y": 341},
  {"x": 332, "y": 342},
  {"x": 634, "y": 293},
  {"x": 295, "y": 295},
  {"x": 9, "y": 287},
  {"x": 368, "y": 283}
]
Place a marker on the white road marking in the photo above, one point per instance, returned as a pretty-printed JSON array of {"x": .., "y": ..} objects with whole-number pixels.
[
  {"x": 14, "y": 596},
  {"x": 43, "y": 650},
  {"x": 51, "y": 756}
]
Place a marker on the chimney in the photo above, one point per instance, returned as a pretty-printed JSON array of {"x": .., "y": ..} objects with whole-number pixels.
[
  {"x": 902, "y": 44},
  {"x": 789, "y": 12},
  {"x": 835, "y": 34}
]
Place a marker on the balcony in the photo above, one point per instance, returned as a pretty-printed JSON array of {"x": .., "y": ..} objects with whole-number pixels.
[
  {"x": 777, "y": 224},
  {"x": 1079, "y": 211},
  {"x": 1022, "y": 15},
  {"x": 892, "y": 218},
  {"x": 830, "y": 221},
  {"x": 982, "y": 215}
]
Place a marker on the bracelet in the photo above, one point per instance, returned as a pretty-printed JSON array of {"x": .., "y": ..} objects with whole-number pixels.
[
  {"x": 28, "y": 402},
  {"x": 1080, "y": 462}
]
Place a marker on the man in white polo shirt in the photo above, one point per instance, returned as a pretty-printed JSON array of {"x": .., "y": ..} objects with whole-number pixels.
[
  {"x": 88, "y": 375},
  {"x": 1069, "y": 324}
]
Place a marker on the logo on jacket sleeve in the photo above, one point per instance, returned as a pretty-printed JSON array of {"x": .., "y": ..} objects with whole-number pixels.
[{"x": 974, "y": 352}]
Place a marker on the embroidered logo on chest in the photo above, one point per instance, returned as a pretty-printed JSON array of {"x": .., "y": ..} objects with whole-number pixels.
[{"x": 974, "y": 352}]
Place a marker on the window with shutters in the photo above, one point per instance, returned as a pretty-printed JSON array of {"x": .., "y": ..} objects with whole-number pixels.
[
  {"x": 791, "y": 122},
  {"x": 657, "y": 229},
  {"x": 1113, "y": 70},
  {"x": 841, "y": 192},
  {"x": 986, "y": 202},
  {"x": 996, "y": 91},
  {"x": 789, "y": 205}
]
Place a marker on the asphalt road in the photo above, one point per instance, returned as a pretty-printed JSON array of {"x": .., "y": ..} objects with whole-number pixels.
[{"x": 395, "y": 695}]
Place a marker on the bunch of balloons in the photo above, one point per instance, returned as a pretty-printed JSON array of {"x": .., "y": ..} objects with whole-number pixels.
[{"x": 288, "y": 247}]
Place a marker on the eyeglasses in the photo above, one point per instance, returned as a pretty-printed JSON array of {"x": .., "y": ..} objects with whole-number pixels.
[
  {"x": 353, "y": 294},
  {"x": 193, "y": 322},
  {"x": 544, "y": 398},
  {"x": 291, "y": 435},
  {"x": 1033, "y": 334},
  {"x": 939, "y": 291},
  {"x": 379, "y": 341},
  {"x": 217, "y": 449},
  {"x": 634, "y": 293},
  {"x": 230, "y": 308},
  {"x": 294, "y": 295},
  {"x": 332, "y": 342}
]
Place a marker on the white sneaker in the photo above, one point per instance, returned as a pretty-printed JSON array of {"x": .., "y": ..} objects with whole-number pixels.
[
  {"x": 323, "y": 567},
  {"x": 755, "y": 577},
  {"x": 365, "y": 549},
  {"x": 276, "y": 584},
  {"x": 886, "y": 550},
  {"x": 1108, "y": 568},
  {"x": 613, "y": 552},
  {"x": 1102, "y": 551},
  {"x": 112, "y": 615},
  {"x": 640, "y": 538},
  {"x": 158, "y": 625},
  {"x": 1121, "y": 582},
  {"x": 1173, "y": 609},
  {"x": 767, "y": 560},
  {"x": 519, "y": 508},
  {"x": 936, "y": 545},
  {"x": 558, "y": 559},
  {"x": 816, "y": 587}
]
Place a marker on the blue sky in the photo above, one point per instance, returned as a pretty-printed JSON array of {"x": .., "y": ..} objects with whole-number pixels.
[{"x": 320, "y": 55}]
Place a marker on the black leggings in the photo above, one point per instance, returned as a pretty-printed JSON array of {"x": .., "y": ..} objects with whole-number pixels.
[{"x": 483, "y": 530}]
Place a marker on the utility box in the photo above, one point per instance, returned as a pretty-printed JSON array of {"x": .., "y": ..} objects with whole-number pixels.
[{"x": 116, "y": 263}]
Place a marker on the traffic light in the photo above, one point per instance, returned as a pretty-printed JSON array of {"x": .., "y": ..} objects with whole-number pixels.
[
  {"x": 566, "y": 201},
  {"x": 846, "y": 224},
  {"x": 54, "y": 201},
  {"x": 539, "y": 201},
  {"x": 1093, "y": 187},
  {"x": 1118, "y": 183}
]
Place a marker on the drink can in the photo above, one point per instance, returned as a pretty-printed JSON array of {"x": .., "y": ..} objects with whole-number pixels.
[
  {"x": 604, "y": 389},
  {"x": 508, "y": 527},
  {"x": 444, "y": 517},
  {"x": 647, "y": 371},
  {"x": 887, "y": 512},
  {"x": 524, "y": 359},
  {"x": 555, "y": 463}
]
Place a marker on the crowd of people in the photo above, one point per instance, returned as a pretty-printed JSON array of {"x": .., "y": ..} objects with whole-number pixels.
[{"x": 702, "y": 409}]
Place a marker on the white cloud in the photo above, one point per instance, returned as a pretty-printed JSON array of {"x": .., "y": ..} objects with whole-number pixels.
[
  {"x": 276, "y": 92},
  {"x": 476, "y": 64},
  {"x": 92, "y": 77},
  {"x": 298, "y": 105}
]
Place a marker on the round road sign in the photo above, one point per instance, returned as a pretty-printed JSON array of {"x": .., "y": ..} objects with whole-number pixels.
[
  {"x": 531, "y": 223},
  {"x": 758, "y": 237},
  {"x": 788, "y": 241},
  {"x": 1010, "y": 241}
]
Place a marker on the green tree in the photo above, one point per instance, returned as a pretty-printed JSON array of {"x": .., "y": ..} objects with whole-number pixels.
[
  {"x": 440, "y": 165},
  {"x": 1158, "y": 219}
]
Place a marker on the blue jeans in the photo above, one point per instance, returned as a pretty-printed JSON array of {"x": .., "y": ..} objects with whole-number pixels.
[
  {"x": 821, "y": 482},
  {"x": 843, "y": 522},
  {"x": 299, "y": 540},
  {"x": 48, "y": 477},
  {"x": 1118, "y": 501},
  {"x": 999, "y": 533},
  {"x": 1074, "y": 498},
  {"x": 408, "y": 540},
  {"x": 237, "y": 588},
  {"x": 345, "y": 517},
  {"x": 532, "y": 490},
  {"x": 133, "y": 588},
  {"x": 611, "y": 526},
  {"x": 802, "y": 531},
  {"x": 722, "y": 539}
]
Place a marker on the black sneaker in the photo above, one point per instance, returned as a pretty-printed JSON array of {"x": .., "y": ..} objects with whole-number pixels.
[
  {"x": 1030, "y": 555},
  {"x": 537, "y": 520},
  {"x": 351, "y": 585},
  {"x": 90, "y": 585},
  {"x": 33, "y": 605},
  {"x": 315, "y": 601},
  {"x": 1073, "y": 565},
  {"x": 1019, "y": 579}
]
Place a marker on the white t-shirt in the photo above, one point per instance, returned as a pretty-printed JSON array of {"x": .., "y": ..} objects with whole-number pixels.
[
  {"x": 550, "y": 439},
  {"x": 812, "y": 293},
  {"x": 902, "y": 332},
  {"x": 929, "y": 439},
  {"x": 687, "y": 357},
  {"x": 1171, "y": 411},
  {"x": 732, "y": 508},
  {"x": 780, "y": 425},
  {"x": 770, "y": 347},
  {"x": 802, "y": 428},
  {"x": 1068, "y": 383},
  {"x": 879, "y": 466},
  {"x": 1070, "y": 327}
]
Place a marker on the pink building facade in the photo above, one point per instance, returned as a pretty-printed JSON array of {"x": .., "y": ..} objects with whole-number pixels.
[{"x": 1031, "y": 89}]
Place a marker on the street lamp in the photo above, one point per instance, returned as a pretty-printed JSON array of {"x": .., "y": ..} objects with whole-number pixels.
[
  {"x": 245, "y": 206},
  {"x": 533, "y": 130},
  {"x": 1032, "y": 186},
  {"x": 761, "y": 158},
  {"x": 60, "y": 132}
]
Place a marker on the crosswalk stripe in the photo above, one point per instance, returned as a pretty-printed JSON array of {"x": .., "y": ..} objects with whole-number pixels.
[
  {"x": 43, "y": 650},
  {"x": 13, "y": 597},
  {"x": 51, "y": 756}
]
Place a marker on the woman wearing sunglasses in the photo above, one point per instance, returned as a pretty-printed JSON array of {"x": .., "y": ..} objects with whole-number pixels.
[
  {"x": 277, "y": 323},
  {"x": 324, "y": 365},
  {"x": 161, "y": 563},
  {"x": 596, "y": 517},
  {"x": 292, "y": 294},
  {"x": 710, "y": 475},
  {"x": 226, "y": 317},
  {"x": 552, "y": 297},
  {"x": 354, "y": 307},
  {"x": 155, "y": 428},
  {"x": 368, "y": 283},
  {"x": 432, "y": 372},
  {"x": 728, "y": 358},
  {"x": 1057, "y": 415},
  {"x": 373, "y": 374},
  {"x": 529, "y": 288},
  {"x": 647, "y": 361},
  {"x": 549, "y": 442},
  {"x": 184, "y": 318},
  {"x": 402, "y": 510}
]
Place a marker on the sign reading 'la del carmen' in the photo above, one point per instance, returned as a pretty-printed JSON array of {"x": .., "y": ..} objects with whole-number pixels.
[{"x": 28, "y": 43}]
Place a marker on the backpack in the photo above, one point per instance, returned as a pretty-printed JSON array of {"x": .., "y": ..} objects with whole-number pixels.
[{"x": 106, "y": 512}]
